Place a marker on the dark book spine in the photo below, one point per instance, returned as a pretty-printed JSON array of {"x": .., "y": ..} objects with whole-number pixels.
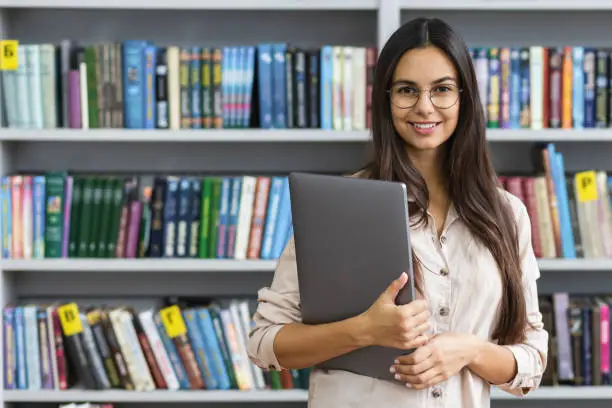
[
  {"x": 217, "y": 80},
  {"x": 207, "y": 90},
  {"x": 195, "y": 217},
  {"x": 44, "y": 350},
  {"x": 161, "y": 90},
  {"x": 170, "y": 216},
  {"x": 182, "y": 234},
  {"x": 156, "y": 246},
  {"x": 115, "y": 350},
  {"x": 556, "y": 82},
  {"x": 602, "y": 96},
  {"x": 301, "y": 94},
  {"x": 289, "y": 86},
  {"x": 313, "y": 88},
  {"x": 93, "y": 317}
]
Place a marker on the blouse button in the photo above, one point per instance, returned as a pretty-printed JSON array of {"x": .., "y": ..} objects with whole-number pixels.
[
  {"x": 443, "y": 239},
  {"x": 436, "y": 392},
  {"x": 443, "y": 271},
  {"x": 444, "y": 311}
]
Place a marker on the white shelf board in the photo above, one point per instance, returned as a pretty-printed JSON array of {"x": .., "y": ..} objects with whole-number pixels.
[
  {"x": 139, "y": 265},
  {"x": 229, "y": 265},
  {"x": 157, "y": 396},
  {"x": 276, "y": 135},
  {"x": 120, "y": 396},
  {"x": 197, "y": 4},
  {"x": 570, "y": 265},
  {"x": 187, "y": 135},
  {"x": 559, "y": 393},
  {"x": 517, "y": 5},
  {"x": 549, "y": 135}
]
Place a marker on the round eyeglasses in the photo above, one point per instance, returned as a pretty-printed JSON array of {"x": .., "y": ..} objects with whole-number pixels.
[{"x": 441, "y": 96}]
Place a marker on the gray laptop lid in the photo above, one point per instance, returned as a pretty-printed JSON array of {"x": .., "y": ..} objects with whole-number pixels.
[{"x": 351, "y": 239}]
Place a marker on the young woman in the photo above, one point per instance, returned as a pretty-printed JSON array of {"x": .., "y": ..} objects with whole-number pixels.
[{"x": 477, "y": 322}]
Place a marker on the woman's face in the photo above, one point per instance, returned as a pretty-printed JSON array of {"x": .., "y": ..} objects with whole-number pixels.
[{"x": 424, "y": 125}]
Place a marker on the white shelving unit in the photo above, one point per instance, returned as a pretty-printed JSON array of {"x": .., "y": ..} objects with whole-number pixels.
[
  {"x": 307, "y": 22},
  {"x": 172, "y": 397}
]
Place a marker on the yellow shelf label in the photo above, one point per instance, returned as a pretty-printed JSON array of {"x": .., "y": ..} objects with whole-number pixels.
[
  {"x": 586, "y": 186},
  {"x": 69, "y": 318},
  {"x": 8, "y": 55},
  {"x": 173, "y": 321}
]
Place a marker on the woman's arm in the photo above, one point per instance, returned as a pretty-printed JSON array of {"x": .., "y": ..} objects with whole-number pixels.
[
  {"x": 300, "y": 346},
  {"x": 518, "y": 368},
  {"x": 281, "y": 340}
]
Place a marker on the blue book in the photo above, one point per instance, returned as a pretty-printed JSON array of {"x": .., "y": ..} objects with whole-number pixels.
[
  {"x": 197, "y": 343},
  {"x": 248, "y": 86},
  {"x": 326, "y": 78},
  {"x": 195, "y": 80},
  {"x": 568, "y": 246},
  {"x": 274, "y": 199},
  {"x": 222, "y": 226},
  {"x": 38, "y": 216},
  {"x": 515, "y": 89},
  {"x": 578, "y": 105},
  {"x": 175, "y": 360},
  {"x": 134, "y": 83},
  {"x": 589, "y": 68},
  {"x": 279, "y": 88},
  {"x": 234, "y": 213},
  {"x": 212, "y": 348},
  {"x": 22, "y": 368},
  {"x": 150, "y": 94},
  {"x": 283, "y": 222},
  {"x": 264, "y": 78},
  {"x": 170, "y": 216}
]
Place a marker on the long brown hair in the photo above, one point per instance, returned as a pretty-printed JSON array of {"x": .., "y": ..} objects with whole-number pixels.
[{"x": 470, "y": 177}]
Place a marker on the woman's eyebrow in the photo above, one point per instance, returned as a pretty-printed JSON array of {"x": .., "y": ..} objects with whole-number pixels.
[{"x": 437, "y": 81}]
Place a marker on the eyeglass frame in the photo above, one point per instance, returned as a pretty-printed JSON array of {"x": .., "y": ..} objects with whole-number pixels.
[{"x": 460, "y": 90}]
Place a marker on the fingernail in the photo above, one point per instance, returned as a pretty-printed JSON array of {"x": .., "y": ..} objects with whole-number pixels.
[
  {"x": 396, "y": 361},
  {"x": 392, "y": 369},
  {"x": 397, "y": 376},
  {"x": 408, "y": 385}
]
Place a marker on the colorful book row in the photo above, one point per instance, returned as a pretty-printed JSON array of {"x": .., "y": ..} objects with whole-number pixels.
[
  {"x": 141, "y": 85},
  {"x": 570, "y": 214},
  {"x": 62, "y": 215},
  {"x": 178, "y": 346},
  {"x": 540, "y": 87},
  {"x": 579, "y": 339}
]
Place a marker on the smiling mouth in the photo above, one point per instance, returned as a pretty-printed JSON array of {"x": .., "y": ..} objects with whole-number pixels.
[{"x": 429, "y": 125}]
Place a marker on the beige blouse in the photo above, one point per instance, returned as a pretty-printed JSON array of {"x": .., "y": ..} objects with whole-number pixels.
[{"x": 463, "y": 290}]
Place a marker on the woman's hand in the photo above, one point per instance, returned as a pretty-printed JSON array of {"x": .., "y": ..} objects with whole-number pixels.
[
  {"x": 404, "y": 327},
  {"x": 441, "y": 358}
]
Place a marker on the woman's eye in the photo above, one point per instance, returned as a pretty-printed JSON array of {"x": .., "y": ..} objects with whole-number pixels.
[
  {"x": 407, "y": 90},
  {"x": 442, "y": 88}
]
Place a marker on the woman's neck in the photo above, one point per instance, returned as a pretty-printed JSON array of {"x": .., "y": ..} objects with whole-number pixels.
[{"x": 430, "y": 165}]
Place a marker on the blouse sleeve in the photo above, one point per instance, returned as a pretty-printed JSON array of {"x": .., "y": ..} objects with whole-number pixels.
[
  {"x": 278, "y": 305},
  {"x": 530, "y": 355}
]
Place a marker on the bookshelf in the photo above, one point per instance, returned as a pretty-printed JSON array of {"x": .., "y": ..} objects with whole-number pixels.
[
  {"x": 295, "y": 396},
  {"x": 303, "y": 22},
  {"x": 197, "y": 5}
]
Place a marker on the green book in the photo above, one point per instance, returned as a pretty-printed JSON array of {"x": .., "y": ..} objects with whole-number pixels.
[
  {"x": 96, "y": 217},
  {"x": 75, "y": 216},
  {"x": 85, "y": 217},
  {"x": 204, "y": 246},
  {"x": 117, "y": 200},
  {"x": 54, "y": 213},
  {"x": 215, "y": 203},
  {"x": 107, "y": 207},
  {"x": 92, "y": 85}
]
